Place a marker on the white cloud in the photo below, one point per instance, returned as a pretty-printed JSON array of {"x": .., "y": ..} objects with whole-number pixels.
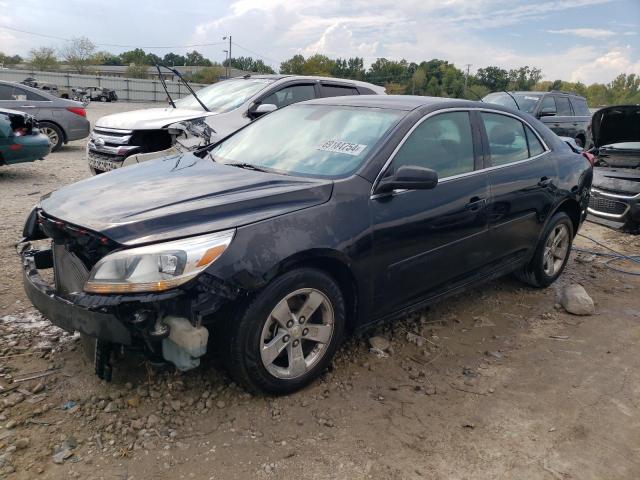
[
  {"x": 585, "y": 32},
  {"x": 605, "y": 67}
]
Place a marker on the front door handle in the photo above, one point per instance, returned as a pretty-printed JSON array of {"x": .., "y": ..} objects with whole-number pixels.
[
  {"x": 545, "y": 182},
  {"x": 475, "y": 203}
]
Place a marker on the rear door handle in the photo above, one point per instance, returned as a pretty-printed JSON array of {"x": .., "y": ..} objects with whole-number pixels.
[
  {"x": 475, "y": 203},
  {"x": 545, "y": 182}
]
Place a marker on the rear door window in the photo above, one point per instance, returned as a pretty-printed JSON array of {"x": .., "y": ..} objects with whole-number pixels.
[
  {"x": 292, "y": 94},
  {"x": 507, "y": 138},
  {"x": 580, "y": 107},
  {"x": 535, "y": 147},
  {"x": 564, "y": 107},
  {"x": 337, "y": 90},
  {"x": 6, "y": 92}
]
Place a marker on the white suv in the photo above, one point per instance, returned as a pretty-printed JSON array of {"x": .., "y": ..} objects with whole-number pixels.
[{"x": 131, "y": 137}]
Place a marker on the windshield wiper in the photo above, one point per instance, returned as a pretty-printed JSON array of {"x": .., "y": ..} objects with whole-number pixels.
[
  {"x": 164, "y": 85},
  {"x": 250, "y": 166},
  {"x": 184, "y": 82}
]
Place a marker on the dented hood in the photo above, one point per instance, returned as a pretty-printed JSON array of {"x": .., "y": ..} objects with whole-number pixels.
[
  {"x": 149, "y": 118},
  {"x": 616, "y": 124},
  {"x": 179, "y": 196}
]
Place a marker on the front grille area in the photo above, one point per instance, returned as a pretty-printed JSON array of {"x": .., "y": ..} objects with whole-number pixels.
[
  {"x": 69, "y": 272},
  {"x": 105, "y": 156},
  {"x": 607, "y": 205}
]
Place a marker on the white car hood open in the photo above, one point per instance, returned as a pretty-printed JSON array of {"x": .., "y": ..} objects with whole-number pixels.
[{"x": 149, "y": 118}]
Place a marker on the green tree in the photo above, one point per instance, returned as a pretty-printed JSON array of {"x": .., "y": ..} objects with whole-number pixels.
[
  {"x": 172, "y": 59},
  {"x": 349, "y": 68},
  {"x": 137, "y": 57},
  {"x": 136, "y": 71},
  {"x": 418, "y": 81},
  {"x": 80, "y": 53},
  {"x": 152, "y": 59},
  {"x": 293, "y": 66},
  {"x": 318, "y": 65},
  {"x": 195, "y": 58},
  {"x": 208, "y": 74},
  {"x": 248, "y": 64},
  {"x": 43, "y": 58},
  {"x": 383, "y": 71},
  {"x": 108, "y": 58},
  {"x": 524, "y": 78},
  {"x": 495, "y": 79},
  {"x": 7, "y": 60}
]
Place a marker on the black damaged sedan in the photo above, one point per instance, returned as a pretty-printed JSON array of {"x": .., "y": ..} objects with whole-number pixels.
[{"x": 321, "y": 218}]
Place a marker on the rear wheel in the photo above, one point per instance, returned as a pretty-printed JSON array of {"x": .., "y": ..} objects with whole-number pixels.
[
  {"x": 288, "y": 334},
  {"x": 56, "y": 137},
  {"x": 103, "y": 99},
  {"x": 552, "y": 253}
]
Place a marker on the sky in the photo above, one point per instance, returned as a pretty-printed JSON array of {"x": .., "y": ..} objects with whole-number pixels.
[{"x": 575, "y": 40}]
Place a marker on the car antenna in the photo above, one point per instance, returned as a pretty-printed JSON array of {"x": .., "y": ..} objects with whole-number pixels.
[
  {"x": 513, "y": 98},
  {"x": 164, "y": 85},
  {"x": 186, "y": 84},
  {"x": 475, "y": 94}
]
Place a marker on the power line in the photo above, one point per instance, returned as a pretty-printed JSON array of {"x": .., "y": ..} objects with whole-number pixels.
[
  {"x": 255, "y": 53},
  {"x": 113, "y": 44}
]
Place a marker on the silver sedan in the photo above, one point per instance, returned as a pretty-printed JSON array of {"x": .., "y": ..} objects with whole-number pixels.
[{"x": 60, "y": 119}]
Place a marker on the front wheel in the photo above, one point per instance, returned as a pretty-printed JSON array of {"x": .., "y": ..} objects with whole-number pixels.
[
  {"x": 288, "y": 334},
  {"x": 103, "y": 99},
  {"x": 552, "y": 253}
]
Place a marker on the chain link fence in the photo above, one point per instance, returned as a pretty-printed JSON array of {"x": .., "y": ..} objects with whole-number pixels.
[{"x": 127, "y": 89}]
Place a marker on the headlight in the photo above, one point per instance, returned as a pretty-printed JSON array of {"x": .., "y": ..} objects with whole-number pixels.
[{"x": 157, "y": 267}]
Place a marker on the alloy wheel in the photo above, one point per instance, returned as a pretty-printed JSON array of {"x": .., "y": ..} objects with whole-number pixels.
[
  {"x": 52, "y": 134},
  {"x": 556, "y": 249},
  {"x": 297, "y": 333}
]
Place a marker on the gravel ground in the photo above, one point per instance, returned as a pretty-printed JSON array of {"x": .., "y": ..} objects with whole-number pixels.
[{"x": 500, "y": 382}]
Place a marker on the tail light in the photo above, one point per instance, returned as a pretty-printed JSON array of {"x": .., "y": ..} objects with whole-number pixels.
[
  {"x": 590, "y": 156},
  {"x": 78, "y": 111}
]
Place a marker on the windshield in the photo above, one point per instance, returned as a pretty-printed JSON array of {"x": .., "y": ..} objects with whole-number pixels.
[
  {"x": 525, "y": 101},
  {"x": 224, "y": 96},
  {"x": 316, "y": 140}
]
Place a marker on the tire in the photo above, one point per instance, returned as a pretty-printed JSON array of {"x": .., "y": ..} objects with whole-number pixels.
[
  {"x": 255, "y": 328},
  {"x": 55, "y": 134},
  {"x": 580, "y": 141},
  {"x": 103, "y": 99},
  {"x": 538, "y": 272}
]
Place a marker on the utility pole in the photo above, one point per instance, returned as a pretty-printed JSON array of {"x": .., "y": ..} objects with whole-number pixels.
[
  {"x": 229, "y": 62},
  {"x": 466, "y": 78}
]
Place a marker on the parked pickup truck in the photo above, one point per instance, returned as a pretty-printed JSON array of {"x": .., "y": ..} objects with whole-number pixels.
[
  {"x": 211, "y": 114},
  {"x": 566, "y": 114}
]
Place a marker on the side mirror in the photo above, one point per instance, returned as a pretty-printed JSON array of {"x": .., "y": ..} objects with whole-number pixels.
[
  {"x": 263, "y": 109},
  {"x": 547, "y": 112},
  {"x": 409, "y": 178}
]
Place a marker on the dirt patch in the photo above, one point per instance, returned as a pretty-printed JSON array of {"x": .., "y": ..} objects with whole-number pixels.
[{"x": 499, "y": 382}]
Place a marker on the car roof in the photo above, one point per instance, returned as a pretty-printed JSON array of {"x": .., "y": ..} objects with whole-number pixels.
[
  {"x": 277, "y": 77},
  {"x": 58, "y": 102},
  {"x": 557, "y": 92},
  {"x": 396, "y": 102}
]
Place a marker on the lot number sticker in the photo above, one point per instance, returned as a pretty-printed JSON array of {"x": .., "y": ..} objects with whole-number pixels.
[{"x": 338, "y": 146}]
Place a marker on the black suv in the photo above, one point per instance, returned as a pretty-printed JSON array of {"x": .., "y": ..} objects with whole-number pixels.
[{"x": 566, "y": 114}]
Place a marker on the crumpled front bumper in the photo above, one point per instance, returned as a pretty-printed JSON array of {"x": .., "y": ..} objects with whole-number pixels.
[{"x": 67, "y": 315}]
